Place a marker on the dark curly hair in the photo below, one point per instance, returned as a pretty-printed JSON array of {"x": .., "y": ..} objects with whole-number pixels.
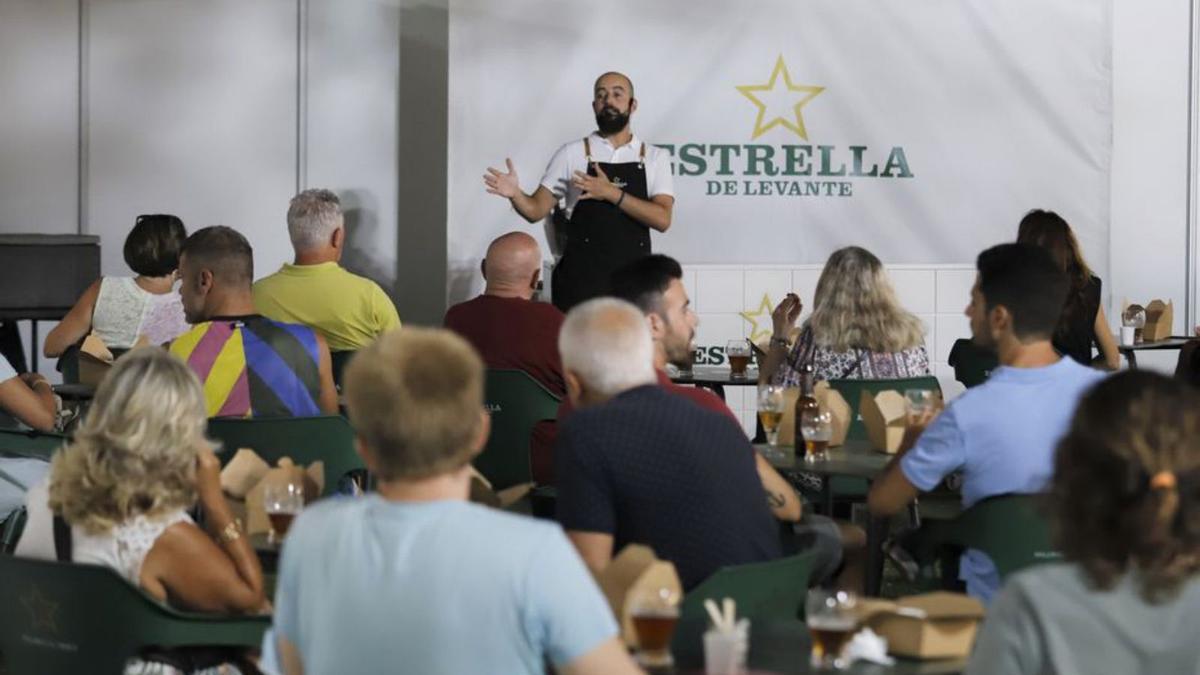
[{"x": 1126, "y": 488}]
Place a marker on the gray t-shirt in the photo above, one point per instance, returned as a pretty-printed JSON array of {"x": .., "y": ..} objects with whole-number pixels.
[{"x": 1050, "y": 620}]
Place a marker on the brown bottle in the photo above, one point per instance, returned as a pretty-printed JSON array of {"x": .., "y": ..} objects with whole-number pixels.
[{"x": 805, "y": 401}]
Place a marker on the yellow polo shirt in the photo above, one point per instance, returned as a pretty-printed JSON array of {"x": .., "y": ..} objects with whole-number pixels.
[{"x": 349, "y": 310}]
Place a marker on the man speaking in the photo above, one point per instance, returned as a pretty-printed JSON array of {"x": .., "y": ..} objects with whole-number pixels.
[{"x": 614, "y": 188}]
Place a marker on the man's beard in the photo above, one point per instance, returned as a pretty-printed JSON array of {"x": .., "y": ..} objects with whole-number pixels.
[
  {"x": 611, "y": 120},
  {"x": 680, "y": 355}
]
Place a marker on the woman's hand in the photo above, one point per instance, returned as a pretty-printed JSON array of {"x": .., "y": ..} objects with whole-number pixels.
[
  {"x": 785, "y": 315},
  {"x": 208, "y": 478}
]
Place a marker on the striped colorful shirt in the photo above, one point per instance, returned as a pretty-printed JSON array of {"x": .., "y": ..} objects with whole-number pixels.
[{"x": 252, "y": 366}]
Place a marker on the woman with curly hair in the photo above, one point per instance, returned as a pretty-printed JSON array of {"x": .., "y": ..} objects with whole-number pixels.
[
  {"x": 857, "y": 330},
  {"x": 123, "y": 486},
  {"x": 1125, "y": 504}
]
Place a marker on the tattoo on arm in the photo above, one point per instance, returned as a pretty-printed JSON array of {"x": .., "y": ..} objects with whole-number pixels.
[{"x": 775, "y": 501}]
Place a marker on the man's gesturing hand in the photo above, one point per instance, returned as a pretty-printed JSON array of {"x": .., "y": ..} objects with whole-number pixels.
[
  {"x": 596, "y": 187},
  {"x": 503, "y": 184}
]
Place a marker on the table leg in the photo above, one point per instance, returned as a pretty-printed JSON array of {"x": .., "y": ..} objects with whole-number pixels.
[
  {"x": 33, "y": 347},
  {"x": 877, "y": 528},
  {"x": 827, "y": 496},
  {"x": 1131, "y": 356}
]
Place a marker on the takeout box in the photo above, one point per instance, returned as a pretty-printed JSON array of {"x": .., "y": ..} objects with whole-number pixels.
[
  {"x": 1160, "y": 319},
  {"x": 938, "y": 625},
  {"x": 830, "y": 401},
  {"x": 246, "y": 475},
  {"x": 96, "y": 359},
  {"x": 635, "y": 571},
  {"x": 885, "y": 415}
]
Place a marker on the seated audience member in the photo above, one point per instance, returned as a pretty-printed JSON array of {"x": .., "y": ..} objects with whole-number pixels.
[
  {"x": 119, "y": 310},
  {"x": 250, "y": 365},
  {"x": 414, "y": 563},
  {"x": 1082, "y": 322},
  {"x": 510, "y": 330},
  {"x": 27, "y": 399},
  {"x": 138, "y": 462},
  {"x": 349, "y": 311},
  {"x": 1126, "y": 508},
  {"x": 1002, "y": 433},
  {"x": 857, "y": 330},
  {"x": 636, "y": 463},
  {"x": 654, "y": 284}
]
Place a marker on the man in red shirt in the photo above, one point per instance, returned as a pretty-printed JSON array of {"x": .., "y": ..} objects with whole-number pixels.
[{"x": 510, "y": 330}]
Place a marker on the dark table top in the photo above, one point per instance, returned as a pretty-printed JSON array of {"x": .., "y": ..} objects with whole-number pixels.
[
  {"x": 856, "y": 458},
  {"x": 717, "y": 375},
  {"x": 1173, "y": 342},
  {"x": 783, "y": 647}
]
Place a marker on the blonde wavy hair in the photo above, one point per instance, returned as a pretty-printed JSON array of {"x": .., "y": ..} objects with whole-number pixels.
[
  {"x": 855, "y": 307},
  {"x": 135, "y": 453}
]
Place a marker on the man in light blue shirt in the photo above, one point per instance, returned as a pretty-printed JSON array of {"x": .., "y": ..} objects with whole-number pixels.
[
  {"x": 413, "y": 578},
  {"x": 1001, "y": 434}
]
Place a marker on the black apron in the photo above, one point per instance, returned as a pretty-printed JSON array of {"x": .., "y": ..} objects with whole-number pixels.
[{"x": 600, "y": 238}]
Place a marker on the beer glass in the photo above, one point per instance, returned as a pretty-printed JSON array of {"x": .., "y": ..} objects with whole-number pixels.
[
  {"x": 919, "y": 402},
  {"x": 770, "y": 411},
  {"x": 831, "y": 618},
  {"x": 282, "y": 501},
  {"x": 654, "y": 614},
  {"x": 739, "y": 354},
  {"x": 817, "y": 428}
]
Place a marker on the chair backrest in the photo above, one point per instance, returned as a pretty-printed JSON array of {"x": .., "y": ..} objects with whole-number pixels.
[
  {"x": 773, "y": 590},
  {"x": 516, "y": 402},
  {"x": 328, "y": 438},
  {"x": 10, "y": 531},
  {"x": 338, "y": 362},
  {"x": 1010, "y": 529},
  {"x": 851, "y": 390},
  {"x": 972, "y": 365},
  {"x": 65, "y": 618},
  {"x": 34, "y": 444}
]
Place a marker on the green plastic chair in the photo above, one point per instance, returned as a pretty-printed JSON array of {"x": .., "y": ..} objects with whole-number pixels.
[
  {"x": 34, "y": 444},
  {"x": 767, "y": 591},
  {"x": 10, "y": 531},
  {"x": 972, "y": 365},
  {"x": 328, "y": 438},
  {"x": 338, "y": 362},
  {"x": 65, "y": 618},
  {"x": 516, "y": 402},
  {"x": 1010, "y": 529}
]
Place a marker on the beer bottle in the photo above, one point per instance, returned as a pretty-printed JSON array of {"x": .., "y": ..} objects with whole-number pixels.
[{"x": 805, "y": 401}]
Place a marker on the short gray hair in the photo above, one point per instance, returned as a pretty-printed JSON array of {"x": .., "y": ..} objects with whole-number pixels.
[
  {"x": 312, "y": 217},
  {"x": 607, "y": 344}
]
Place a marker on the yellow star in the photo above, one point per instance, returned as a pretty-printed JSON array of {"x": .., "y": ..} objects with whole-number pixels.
[
  {"x": 809, "y": 92},
  {"x": 43, "y": 612},
  {"x": 756, "y": 333}
]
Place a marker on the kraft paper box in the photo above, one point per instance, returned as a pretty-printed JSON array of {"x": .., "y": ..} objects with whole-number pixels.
[
  {"x": 885, "y": 415},
  {"x": 1160, "y": 318},
  {"x": 636, "y": 571},
  {"x": 830, "y": 400},
  {"x": 95, "y": 359},
  {"x": 937, "y": 625},
  {"x": 243, "y": 470}
]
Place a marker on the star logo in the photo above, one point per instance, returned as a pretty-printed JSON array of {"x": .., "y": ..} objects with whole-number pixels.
[
  {"x": 800, "y": 93},
  {"x": 763, "y": 313},
  {"x": 43, "y": 613}
]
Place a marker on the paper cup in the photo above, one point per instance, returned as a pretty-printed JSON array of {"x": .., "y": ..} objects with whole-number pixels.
[
  {"x": 1128, "y": 334},
  {"x": 724, "y": 653}
]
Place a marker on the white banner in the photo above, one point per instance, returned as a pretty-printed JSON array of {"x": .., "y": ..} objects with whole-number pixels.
[{"x": 920, "y": 130}]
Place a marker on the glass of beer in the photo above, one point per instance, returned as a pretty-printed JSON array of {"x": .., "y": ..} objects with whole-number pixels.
[
  {"x": 770, "y": 411},
  {"x": 739, "y": 354},
  {"x": 920, "y": 402},
  {"x": 831, "y": 617},
  {"x": 655, "y": 614},
  {"x": 282, "y": 501},
  {"x": 817, "y": 428}
]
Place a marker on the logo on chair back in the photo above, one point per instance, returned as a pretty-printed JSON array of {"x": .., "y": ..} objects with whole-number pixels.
[
  {"x": 492, "y": 407},
  {"x": 43, "y": 613}
]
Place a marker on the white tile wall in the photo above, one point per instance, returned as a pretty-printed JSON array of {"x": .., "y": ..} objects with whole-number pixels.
[{"x": 936, "y": 293}]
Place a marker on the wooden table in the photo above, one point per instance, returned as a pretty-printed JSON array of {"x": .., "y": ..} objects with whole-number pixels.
[
  {"x": 1130, "y": 351},
  {"x": 855, "y": 459},
  {"x": 784, "y": 647},
  {"x": 716, "y": 378}
]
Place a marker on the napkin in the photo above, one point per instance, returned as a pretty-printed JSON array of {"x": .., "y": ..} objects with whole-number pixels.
[{"x": 867, "y": 645}]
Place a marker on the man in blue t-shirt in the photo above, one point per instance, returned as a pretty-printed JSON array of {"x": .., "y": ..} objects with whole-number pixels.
[
  {"x": 415, "y": 579},
  {"x": 1002, "y": 433}
]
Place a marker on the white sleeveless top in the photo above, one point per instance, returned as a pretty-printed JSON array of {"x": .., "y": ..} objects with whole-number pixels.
[
  {"x": 124, "y": 311},
  {"x": 122, "y": 548}
]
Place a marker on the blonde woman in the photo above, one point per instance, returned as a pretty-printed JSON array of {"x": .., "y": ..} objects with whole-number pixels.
[
  {"x": 857, "y": 330},
  {"x": 138, "y": 462}
]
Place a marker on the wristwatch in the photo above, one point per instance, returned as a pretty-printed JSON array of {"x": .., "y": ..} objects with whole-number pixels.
[{"x": 782, "y": 342}]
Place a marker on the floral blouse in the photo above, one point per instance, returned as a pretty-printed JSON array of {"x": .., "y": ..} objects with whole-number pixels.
[{"x": 855, "y": 364}]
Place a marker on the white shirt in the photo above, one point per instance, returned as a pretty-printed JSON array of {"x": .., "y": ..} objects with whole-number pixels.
[{"x": 571, "y": 158}]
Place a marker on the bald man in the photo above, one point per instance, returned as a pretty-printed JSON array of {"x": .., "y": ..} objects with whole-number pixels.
[
  {"x": 510, "y": 330},
  {"x": 612, "y": 188}
]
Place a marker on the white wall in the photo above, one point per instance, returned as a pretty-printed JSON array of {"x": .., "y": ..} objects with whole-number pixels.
[{"x": 220, "y": 110}]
